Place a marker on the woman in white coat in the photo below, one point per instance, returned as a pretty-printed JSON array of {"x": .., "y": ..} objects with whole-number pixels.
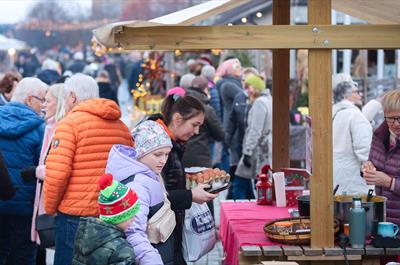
[{"x": 352, "y": 135}]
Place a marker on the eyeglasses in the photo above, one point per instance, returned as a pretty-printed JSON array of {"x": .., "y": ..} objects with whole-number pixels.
[
  {"x": 357, "y": 92},
  {"x": 392, "y": 119},
  {"x": 42, "y": 100}
]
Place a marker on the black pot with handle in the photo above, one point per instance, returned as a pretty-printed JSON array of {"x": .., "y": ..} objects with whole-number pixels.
[{"x": 303, "y": 203}]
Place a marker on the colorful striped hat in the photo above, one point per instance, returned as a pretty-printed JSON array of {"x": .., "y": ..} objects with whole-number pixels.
[{"x": 117, "y": 203}]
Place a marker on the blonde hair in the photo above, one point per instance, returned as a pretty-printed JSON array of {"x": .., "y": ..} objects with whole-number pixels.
[
  {"x": 391, "y": 101},
  {"x": 57, "y": 91}
]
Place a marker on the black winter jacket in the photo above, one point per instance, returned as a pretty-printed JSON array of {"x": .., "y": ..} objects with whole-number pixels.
[{"x": 197, "y": 149}]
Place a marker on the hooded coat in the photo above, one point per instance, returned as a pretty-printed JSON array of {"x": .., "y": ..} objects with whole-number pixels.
[
  {"x": 79, "y": 155},
  {"x": 21, "y": 134},
  {"x": 100, "y": 243},
  {"x": 352, "y": 135},
  {"x": 148, "y": 186}
]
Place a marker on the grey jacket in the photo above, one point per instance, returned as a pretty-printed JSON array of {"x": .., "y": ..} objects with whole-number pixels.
[
  {"x": 257, "y": 141},
  {"x": 229, "y": 87}
]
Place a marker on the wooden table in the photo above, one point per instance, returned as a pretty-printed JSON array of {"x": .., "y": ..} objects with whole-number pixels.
[
  {"x": 265, "y": 250},
  {"x": 305, "y": 255}
]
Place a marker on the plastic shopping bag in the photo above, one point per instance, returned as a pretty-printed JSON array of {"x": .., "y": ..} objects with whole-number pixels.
[{"x": 198, "y": 236}]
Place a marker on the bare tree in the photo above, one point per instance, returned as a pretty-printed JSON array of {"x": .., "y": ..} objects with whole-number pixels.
[{"x": 49, "y": 10}]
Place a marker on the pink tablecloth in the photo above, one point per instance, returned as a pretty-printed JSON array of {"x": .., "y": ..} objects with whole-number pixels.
[{"x": 242, "y": 223}]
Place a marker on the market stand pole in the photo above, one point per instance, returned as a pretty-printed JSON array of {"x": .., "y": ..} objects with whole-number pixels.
[
  {"x": 320, "y": 102},
  {"x": 280, "y": 90}
]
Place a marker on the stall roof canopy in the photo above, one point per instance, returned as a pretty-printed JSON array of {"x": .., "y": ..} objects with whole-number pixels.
[
  {"x": 9, "y": 43},
  {"x": 372, "y": 11},
  {"x": 188, "y": 16}
]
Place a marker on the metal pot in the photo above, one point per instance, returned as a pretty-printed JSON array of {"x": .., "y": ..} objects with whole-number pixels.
[{"x": 375, "y": 210}]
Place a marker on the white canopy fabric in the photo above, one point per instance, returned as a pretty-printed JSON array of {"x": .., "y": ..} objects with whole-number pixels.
[
  {"x": 9, "y": 43},
  {"x": 373, "y": 11},
  {"x": 188, "y": 16}
]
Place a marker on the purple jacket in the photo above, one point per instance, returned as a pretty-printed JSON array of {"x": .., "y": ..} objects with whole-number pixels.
[
  {"x": 387, "y": 161},
  {"x": 122, "y": 164}
]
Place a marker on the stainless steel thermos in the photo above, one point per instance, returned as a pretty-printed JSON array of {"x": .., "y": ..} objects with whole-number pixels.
[{"x": 357, "y": 222}]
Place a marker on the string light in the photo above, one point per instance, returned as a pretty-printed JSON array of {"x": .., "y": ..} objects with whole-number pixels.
[
  {"x": 230, "y": 24},
  {"x": 11, "y": 52},
  {"x": 259, "y": 14},
  {"x": 178, "y": 53},
  {"x": 244, "y": 20}
]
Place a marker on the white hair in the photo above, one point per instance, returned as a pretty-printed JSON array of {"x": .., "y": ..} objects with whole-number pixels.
[
  {"x": 28, "y": 86},
  {"x": 208, "y": 72},
  {"x": 84, "y": 87},
  {"x": 186, "y": 80},
  {"x": 342, "y": 77},
  {"x": 78, "y": 56},
  {"x": 50, "y": 64}
]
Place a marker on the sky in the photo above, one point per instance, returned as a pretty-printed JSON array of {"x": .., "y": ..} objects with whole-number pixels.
[{"x": 12, "y": 11}]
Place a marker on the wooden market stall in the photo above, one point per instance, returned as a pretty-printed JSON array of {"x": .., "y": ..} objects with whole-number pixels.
[{"x": 319, "y": 37}]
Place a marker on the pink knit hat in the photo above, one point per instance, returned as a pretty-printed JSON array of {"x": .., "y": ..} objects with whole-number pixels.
[
  {"x": 228, "y": 67},
  {"x": 176, "y": 91}
]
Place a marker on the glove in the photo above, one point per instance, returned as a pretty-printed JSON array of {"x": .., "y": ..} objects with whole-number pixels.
[{"x": 247, "y": 160}]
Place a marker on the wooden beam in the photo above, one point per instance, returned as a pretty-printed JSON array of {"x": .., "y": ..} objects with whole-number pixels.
[
  {"x": 259, "y": 37},
  {"x": 320, "y": 101},
  {"x": 280, "y": 89}
]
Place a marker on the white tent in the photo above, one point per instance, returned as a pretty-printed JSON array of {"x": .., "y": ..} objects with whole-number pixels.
[{"x": 9, "y": 43}]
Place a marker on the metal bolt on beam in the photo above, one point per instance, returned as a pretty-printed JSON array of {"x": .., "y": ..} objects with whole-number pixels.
[{"x": 315, "y": 30}]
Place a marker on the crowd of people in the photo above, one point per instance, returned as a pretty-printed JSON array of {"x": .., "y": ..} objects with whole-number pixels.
[{"x": 118, "y": 196}]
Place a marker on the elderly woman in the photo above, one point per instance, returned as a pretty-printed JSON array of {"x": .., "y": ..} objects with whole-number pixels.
[
  {"x": 382, "y": 169},
  {"x": 352, "y": 134},
  {"x": 257, "y": 141}
]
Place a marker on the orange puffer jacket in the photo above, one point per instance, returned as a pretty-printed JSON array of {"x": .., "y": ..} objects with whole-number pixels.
[{"x": 78, "y": 156}]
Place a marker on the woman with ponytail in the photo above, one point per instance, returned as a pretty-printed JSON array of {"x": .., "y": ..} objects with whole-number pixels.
[{"x": 181, "y": 118}]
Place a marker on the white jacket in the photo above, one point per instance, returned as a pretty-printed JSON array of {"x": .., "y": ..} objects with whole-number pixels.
[
  {"x": 373, "y": 111},
  {"x": 352, "y": 136}
]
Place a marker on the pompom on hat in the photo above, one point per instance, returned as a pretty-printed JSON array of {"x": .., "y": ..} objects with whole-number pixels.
[
  {"x": 148, "y": 137},
  {"x": 117, "y": 203}
]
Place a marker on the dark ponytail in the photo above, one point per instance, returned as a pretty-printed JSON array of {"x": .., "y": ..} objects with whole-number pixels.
[{"x": 187, "y": 106}]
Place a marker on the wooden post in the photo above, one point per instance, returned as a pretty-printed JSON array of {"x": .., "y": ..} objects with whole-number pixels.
[
  {"x": 280, "y": 89},
  {"x": 320, "y": 98}
]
